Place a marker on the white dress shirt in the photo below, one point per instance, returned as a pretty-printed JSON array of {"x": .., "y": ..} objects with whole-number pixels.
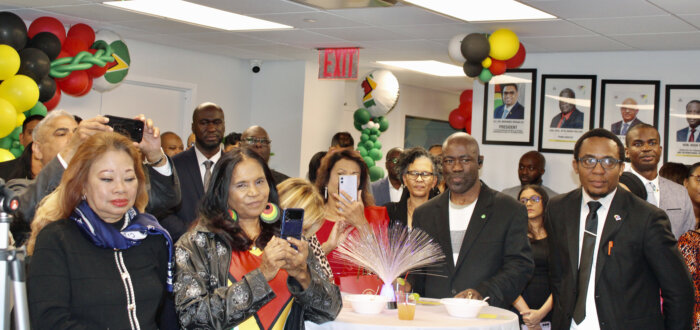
[
  {"x": 201, "y": 159},
  {"x": 652, "y": 187}
]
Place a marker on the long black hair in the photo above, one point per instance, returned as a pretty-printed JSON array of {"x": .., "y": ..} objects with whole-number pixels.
[
  {"x": 213, "y": 210},
  {"x": 545, "y": 199}
]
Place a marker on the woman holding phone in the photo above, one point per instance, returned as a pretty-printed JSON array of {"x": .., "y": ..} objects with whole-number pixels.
[{"x": 342, "y": 213}]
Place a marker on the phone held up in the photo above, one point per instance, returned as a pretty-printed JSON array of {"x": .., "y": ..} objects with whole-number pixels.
[
  {"x": 348, "y": 184},
  {"x": 131, "y": 128},
  {"x": 292, "y": 223}
]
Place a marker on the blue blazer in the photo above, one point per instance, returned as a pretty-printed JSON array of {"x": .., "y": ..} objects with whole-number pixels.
[{"x": 517, "y": 112}]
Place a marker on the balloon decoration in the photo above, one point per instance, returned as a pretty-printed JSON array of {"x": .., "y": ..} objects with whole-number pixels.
[
  {"x": 378, "y": 93},
  {"x": 485, "y": 56},
  {"x": 38, "y": 63},
  {"x": 461, "y": 118}
]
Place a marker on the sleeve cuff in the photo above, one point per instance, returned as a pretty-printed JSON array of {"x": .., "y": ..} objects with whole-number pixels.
[
  {"x": 63, "y": 162},
  {"x": 165, "y": 169}
]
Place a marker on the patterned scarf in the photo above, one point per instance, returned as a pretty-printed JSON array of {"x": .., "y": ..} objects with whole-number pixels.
[{"x": 138, "y": 227}]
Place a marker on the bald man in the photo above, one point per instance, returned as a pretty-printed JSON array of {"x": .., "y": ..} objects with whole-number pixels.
[
  {"x": 530, "y": 171},
  {"x": 256, "y": 138},
  {"x": 482, "y": 232},
  {"x": 628, "y": 111},
  {"x": 171, "y": 144}
]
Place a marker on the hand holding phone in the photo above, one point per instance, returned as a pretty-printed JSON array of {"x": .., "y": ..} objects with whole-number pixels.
[
  {"x": 292, "y": 223},
  {"x": 131, "y": 128},
  {"x": 348, "y": 184}
]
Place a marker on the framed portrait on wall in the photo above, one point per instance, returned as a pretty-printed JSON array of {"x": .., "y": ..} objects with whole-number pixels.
[
  {"x": 625, "y": 103},
  {"x": 509, "y": 108},
  {"x": 567, "y": 108},
  {"x": 682, "y": 118}
]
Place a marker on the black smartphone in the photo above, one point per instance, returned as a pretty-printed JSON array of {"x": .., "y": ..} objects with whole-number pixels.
[
  {"x": 292, "y": 223},
  {"x": 131, "y": 128}
]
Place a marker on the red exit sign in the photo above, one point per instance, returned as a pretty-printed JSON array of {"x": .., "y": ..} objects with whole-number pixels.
[{"x": 338, "y": 63}]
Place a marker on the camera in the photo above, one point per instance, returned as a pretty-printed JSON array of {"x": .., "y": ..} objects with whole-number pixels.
[
  {"x": 255, "y": 65},
  {"x": 131, "y": 128},
  {"x": 9, "y": 203}
]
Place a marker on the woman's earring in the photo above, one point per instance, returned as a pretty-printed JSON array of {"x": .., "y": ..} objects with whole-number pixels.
[
  {"x": 82, "y": 197},
  {"x": 271, "y": 213},
  {"x": 233, "y": 214},
  {"x": 325, "y": 192}
]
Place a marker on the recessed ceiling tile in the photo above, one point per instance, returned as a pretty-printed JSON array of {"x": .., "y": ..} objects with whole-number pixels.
[
  {"x": 250, "y": 7},
  {"x": 662, "y": 41},
  {"x": 162, "y": 25},
  {"x": 310, "y": 20},
  {"x": 41, "y": 3},
  {"x": 435, "y": 31},
  {"x": 679, "y": 7},
  {"x": 635, "y": 25},
  {"x": 575, "y": 44},
  {"x": 361, "y": 34},
  {"x": 538, "y": 28},
  {"x": 98, "y": 12},
  {"x": 282, "y": 51},
  {"x": 291, "y": 37},
  {"x": 398, "y": 15},
  {"x": 692, "y": 19},
  {"x": 224, "y": 38},
  {"x": 595, "y": 8}
]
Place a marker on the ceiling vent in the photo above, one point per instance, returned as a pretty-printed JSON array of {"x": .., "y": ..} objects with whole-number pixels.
[{"x": 346, "y": 4}]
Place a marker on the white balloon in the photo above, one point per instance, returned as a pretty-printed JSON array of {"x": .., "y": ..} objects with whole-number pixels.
[
  {"x": 102, "y": 84},
  {"x": 454, "y": 49},
  {"x": 378, "y": 92}
]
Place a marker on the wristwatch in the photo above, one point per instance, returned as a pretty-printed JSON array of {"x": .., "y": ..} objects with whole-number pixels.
[{"x": 162, "y": 157}]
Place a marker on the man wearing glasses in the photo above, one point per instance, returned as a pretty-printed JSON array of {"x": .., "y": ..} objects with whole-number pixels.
[
  {"x": 530, "y": 171},
  {"x": 256, "y": 138},
  {"x": 388, "y": 189},
  {"x": 611, "y": 252},
  {"x": 511, "y": 108},
  {"x": 482, "y": 232},
  {"x": 644, "y": 151}
]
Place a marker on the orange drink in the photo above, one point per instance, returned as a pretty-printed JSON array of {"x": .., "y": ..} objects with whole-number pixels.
[{"x": 406, "y": 304}]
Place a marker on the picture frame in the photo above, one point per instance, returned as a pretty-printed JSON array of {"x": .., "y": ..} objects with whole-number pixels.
[
  {"x": 514, "y": 125},
  {"x": 628, "y": 103},
  {"x": 567, "y": 110},
  {"x": 682, "y": 102}
]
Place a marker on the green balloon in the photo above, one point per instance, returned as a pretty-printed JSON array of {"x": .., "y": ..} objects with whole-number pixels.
[
  {"x": 485, "y": 75},
  {"x": 16, "y": 152},
  {"x": 374, "y": 131},
  {"x": 369, "y": 145},
  {"x": 377, "y": 145},
  {"x": 376, "y": 173},
  {"x": 383, "y": 124},
  {"x": 362, "y": 116},
  {"x": 38, "y": 109},
  {"x": 6, "y": 143},
  {"x": 16, "y": 144},
  {"x": 376, "y": 154},
  {"x": 362, "y": 151},
  {"x": 366, "y": 131},
  {"x": 15, "y": 134},
  {"x": 369, "y": 161},
  {"x": 357, "y": 125},
  {"x": 364, "y": 137},
  {"x": 373, "y": 138}
]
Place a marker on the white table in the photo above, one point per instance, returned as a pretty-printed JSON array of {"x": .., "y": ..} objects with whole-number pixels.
[{"x": 427, "y": 317}]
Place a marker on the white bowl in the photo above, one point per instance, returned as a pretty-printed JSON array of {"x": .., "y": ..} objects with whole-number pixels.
[
  {"x": 460, "y": 307},
  {"x": 367, "y": 303}
]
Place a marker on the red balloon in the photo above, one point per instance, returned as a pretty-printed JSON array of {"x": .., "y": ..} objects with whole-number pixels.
[
  {"x": 47, "y": 24},
  {"x": 87, "y": 88},
  {"x": 63, "y": 54},
  {"x": 74, "y": 46},
  {"x": 466, "y": 109},
  {"x": 75, "y": 83},
  {"x": 468, "y": 126},
  {"x": 466, "y": 96},
  {"x": 82, "y": 32},
  {"x": 517, "y": 60},
  {"x": 497, "y": 67},
  {"x": 96, "y": 71},
  {"x": 457, "y": 119},
  {"x": 53, "y": 101}
]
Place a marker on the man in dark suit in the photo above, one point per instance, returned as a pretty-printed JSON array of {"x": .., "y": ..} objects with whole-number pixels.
[
  {"x": 628, "y": 111},
  {"x": 256, "y": 138},
  {"x": 482, "y": 232},
  {"x": 388, "y": 189},
  {"x": 195, "y": 166},
  {"x": 611, "y": 252},
  {"x": 569, "y": 117},
  {"x": 511, "y": 108},
  {"x": 692, "y": 115}
]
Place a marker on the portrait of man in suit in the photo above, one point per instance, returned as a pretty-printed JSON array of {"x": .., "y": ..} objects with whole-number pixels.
[
  {"x": 511, "y": 108},
  {"x": 482, "y": 232},
  {"x": 569, "y": 116},
  {"x": 611, "y": 253},
  {"x": 628, "y": 111},
  {"x": 692, "y": 115}
]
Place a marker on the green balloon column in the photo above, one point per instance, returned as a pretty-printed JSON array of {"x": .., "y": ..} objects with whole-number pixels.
[{"x": 378, "y": 93}]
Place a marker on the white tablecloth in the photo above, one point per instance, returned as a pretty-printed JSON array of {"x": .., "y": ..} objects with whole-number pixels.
[{"x": 427, "y": 317}]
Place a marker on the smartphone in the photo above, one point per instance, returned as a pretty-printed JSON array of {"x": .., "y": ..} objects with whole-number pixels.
[
  {"x": 292, "y": 223},
  {"x": 131, "y": 128},
  {"x": 348, "y": 184}
]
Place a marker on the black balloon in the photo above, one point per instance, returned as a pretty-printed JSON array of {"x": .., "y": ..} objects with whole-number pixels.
[
  {"x": 13, "y": 31},
  {"x": 34, "y": 64},
  {"x": 472, "y": 69},
  {"x": 475, "y": 47},
  {"x": 47, "y": 88},
  {"x": 47, "y": 42}
]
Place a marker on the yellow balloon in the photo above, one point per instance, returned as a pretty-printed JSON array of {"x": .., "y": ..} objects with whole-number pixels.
[
  {"x": 8, "y": 118},
  {"x": 504, "y": 44},
  {"x": 486, "y": 62},
  {"x": 6, "y": 155},
  {"x": 9, "y": 62},
  {"x": 20, "y": 119},
  {"x": 21, "y": 91}
]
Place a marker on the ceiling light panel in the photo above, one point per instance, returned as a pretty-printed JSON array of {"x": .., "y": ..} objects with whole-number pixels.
[{"x": 481, "y": 11}]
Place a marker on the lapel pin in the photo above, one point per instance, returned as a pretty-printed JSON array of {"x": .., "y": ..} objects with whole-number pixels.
[
  {"x": 617, "y": 217},
  {"x": 483, "y": 216}
]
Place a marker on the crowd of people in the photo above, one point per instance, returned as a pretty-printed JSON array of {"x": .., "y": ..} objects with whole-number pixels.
[{"x": 161, "y": 234}]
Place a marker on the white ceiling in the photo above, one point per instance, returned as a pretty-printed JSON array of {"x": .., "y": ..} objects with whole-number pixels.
[{"x": 402, "y": 32}]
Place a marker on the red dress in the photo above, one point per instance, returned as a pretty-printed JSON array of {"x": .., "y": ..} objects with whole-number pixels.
[
  {"x": 689, "y": 244},
  {"x": 376, "y": 216}
]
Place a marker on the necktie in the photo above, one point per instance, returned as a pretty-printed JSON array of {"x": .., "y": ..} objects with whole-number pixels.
[
  {"x": 586, "y": 263},
  {"x": 505, "y": 113},
  {"x": 561, "y": 121},
  {"x": 207, "y": 173},
  {"x": 651, "y": 196},
  {"x": 692, "y": 135},
  {"x": 625, "y": 126}
]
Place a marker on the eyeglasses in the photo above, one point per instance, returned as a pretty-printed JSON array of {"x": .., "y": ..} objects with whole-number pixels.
[
  {"x": 254, "y": 140},
  {"x": 591, "y": 162},
  {"x": 697, "y": 177},
  {"x": 413, "y": 175},
  {"x": 535, "y": 199}
]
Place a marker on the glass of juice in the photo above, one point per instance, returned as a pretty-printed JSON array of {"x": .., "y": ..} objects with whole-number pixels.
[{"x": 406, "y": 304}]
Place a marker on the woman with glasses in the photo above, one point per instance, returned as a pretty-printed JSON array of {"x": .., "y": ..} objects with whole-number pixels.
[
  {"x": 418, "y": 172},
  {"x": 535, "y": 303},
  {"x": 689, "y": 242}
]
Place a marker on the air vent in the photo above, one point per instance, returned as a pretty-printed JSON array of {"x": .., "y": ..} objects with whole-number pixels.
[{"x": 346, "y": 4}]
